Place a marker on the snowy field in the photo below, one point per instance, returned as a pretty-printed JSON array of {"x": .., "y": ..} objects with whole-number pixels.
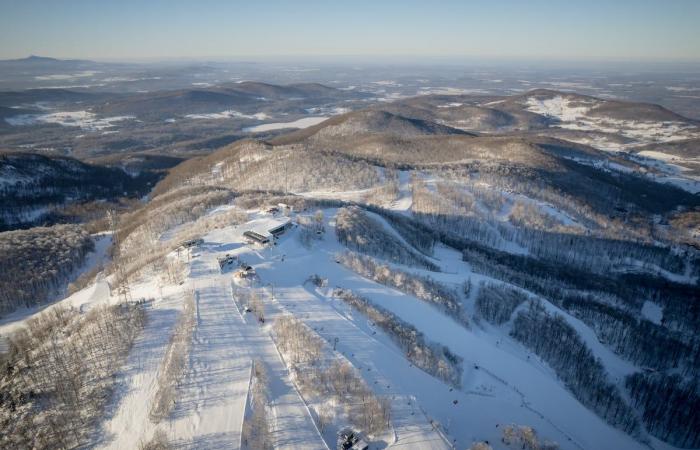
[
  {"x": 509, "y": 385},
  {"x": 604, "y": 133},
  {"x": 300, "y": 123},
  {"x": 574, "y": 115},
  {"x": 85, "y": 120},
  {"x": 502, "y": 382},
  {"x": 228, "y": 114}
]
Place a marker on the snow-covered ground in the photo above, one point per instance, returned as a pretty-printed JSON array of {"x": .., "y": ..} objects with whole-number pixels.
[
  {"x": 653, "y": 312},
  {"x": 86, "y": 120},
  {"x": 502, "y": 382},
  {"x": 574, "y": 115},
  {"x": 558, "y": 107},
  {"x": 509, "y": 385},
  {"x": 17, "y": 319},
  {"x": 405, "y": 199},
  {"x": 67, "y": 76},
  {"x": 229, "y": 114},
  {"x": 300, "y": 123},
  {"x": 448, "y": 90},
  {"x": 211, "y": 400}
]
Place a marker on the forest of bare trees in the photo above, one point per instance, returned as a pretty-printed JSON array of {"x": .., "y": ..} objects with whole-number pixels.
[
  {"x": 496, "y": 302},
  {"x": 163, "y": 213},
  {"x": 419, "y": 235},
  {"x": 669, "y": 406},
  {"x": 525, "y": 438},
  {"x": 291, "y": 170},
  {"x": 58, "y": 374},
  {"x": 556, "y": 342},
  {"x": 610, "y": 305},
  {"x": 311, "y": 228},
  {"x": 39, "y": 262},
  {"x": 476, "y": 217},
  {"x": 362, "y": 233},
  {"x": 145, "y": 238},
  {"x": 47, "y": 189}
]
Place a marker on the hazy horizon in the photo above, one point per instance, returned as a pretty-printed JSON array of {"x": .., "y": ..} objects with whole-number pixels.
[{"x": 541, "y": 30}]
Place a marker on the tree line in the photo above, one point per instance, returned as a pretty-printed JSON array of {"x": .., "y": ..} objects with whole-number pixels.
[
  {"x": 322, "y": 378},
  {"x": 421, "y": 287},
  {"x": 434, "y": 359},
  {"x": 173, "y": 366}
]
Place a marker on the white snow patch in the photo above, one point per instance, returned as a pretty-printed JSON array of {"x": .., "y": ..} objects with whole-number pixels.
[
  {"x": 301, "y": 123},
  {"x": 451, "y": 105},
  {"x": 332, "y": 111},
  {"x": 652, "y": 312},
  {"x": 658, "y": 155},
  {"x": 448, "y": 90},
  {"x": 66, "y": 76},
  {"x": 405, "y": 200},
  {"x": 83, "y": 119},
  {"x": 228, "y": 114},
  {"x": 558, "y": 107},
  {"x": 682, "y": 89},
  {"x": 387, "y": 83}
]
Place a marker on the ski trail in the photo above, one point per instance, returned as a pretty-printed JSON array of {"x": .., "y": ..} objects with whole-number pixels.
[
  {"x": 411, "y": 426},
  {"x": 211, "y": 399},
  {"x": 405, "y": 200},
  {"x": 127, "y": 421}
]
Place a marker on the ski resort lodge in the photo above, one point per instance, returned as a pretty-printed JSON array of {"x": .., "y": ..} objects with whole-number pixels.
[{"x": 268, "y": 230}]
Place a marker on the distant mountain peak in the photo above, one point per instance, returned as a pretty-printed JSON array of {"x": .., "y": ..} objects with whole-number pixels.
[
  {"x": 39, "y": 58},
  {"x": 36, "y": 59}
]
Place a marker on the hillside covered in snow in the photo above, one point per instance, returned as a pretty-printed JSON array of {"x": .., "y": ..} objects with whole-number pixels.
[{"x": 445, "y": 271}]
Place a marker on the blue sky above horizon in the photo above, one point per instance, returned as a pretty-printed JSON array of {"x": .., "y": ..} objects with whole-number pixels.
[{"x": 626, "y": 30}]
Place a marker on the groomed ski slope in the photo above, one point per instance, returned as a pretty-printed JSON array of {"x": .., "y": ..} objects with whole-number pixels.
[
  {"x": 411, "y": 427},
  {"x": 509, "y": 385},
  {"x": 503, "y": 383},
  {"x": 211, "y": 400}
]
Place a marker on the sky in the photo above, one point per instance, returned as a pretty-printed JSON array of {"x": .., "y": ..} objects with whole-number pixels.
[{"x": 572, "y": 30}]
